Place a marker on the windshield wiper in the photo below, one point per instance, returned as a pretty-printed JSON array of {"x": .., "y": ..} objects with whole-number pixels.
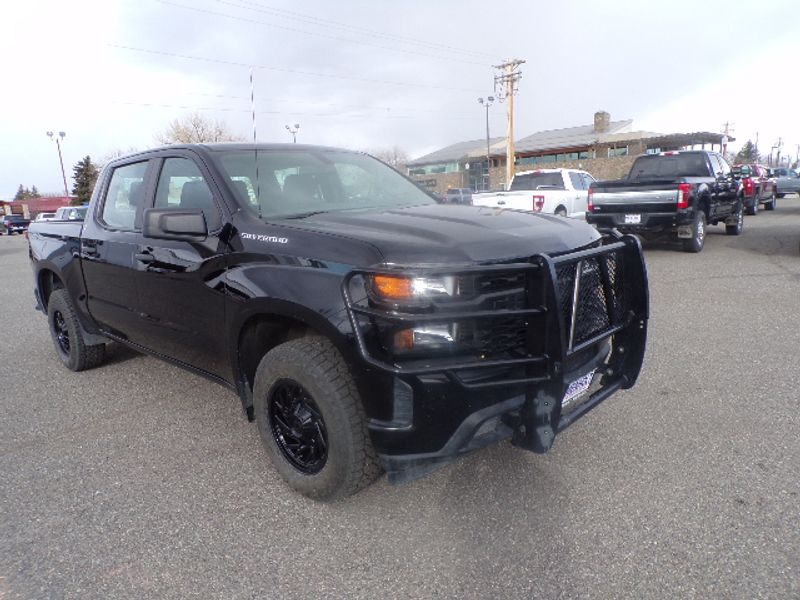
[{"x": 305, "y": 214}]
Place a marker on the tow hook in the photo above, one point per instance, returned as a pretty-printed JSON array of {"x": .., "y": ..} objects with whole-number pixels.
[{"x": 535, "y": 429}]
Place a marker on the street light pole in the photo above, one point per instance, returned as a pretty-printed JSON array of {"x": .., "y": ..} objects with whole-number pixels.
[
  {"x": 61, "y": 135},
  {"x": 486, "y": 104},
  {"x": 293, "y": 132}
]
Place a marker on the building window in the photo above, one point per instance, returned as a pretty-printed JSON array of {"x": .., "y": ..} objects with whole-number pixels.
[
  {"x": 556, "y": 157},
  {"x": 451, "y": 167},
  {"x": 620, "y": 151}
]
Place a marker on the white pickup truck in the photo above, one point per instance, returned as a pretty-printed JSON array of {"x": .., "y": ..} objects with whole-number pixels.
[{"x": 555, "y": 191}]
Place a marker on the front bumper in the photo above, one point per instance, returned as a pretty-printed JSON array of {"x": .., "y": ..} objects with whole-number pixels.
[{"x": 583, "y": 312}]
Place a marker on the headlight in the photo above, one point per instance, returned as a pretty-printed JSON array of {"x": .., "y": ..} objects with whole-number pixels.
[
  {"x": 425, "y": 337},
  {"x": 394, "y": 288}
]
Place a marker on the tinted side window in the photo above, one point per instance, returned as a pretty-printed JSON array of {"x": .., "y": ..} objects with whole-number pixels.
[
  {"x": 715, "y": 166},
  {"x": 521, "y": 182},
  {"x": 124, "y": 196},
  {"x": 723, "y": 165},
  {"x": 577, "y": 181},
  {"x": 182, "y": 185}
]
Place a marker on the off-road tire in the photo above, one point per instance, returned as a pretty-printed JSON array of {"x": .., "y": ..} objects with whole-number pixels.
[
  {"x": 697, "y": 241},
  {"x": 753, "y": 210},
  {"x": 736, "y": 229},
  {"x": 77, "y": 355},
  {"x": 772, "y": 204},
  {"x": 316, "y": 365},
  {"x": 561, "y": 212}
]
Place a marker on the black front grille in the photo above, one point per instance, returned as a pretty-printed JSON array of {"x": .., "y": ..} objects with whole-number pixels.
[
  {"x": 599, "y": 303},
  {"x": 494, "y": 337}
]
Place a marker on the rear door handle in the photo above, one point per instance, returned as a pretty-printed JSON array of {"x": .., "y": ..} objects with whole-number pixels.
[
  {"x": 144, "y": 257},
  {"x": 500, "y": 202}
]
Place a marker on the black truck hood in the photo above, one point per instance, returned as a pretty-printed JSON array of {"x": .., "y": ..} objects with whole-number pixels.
[{"x": 445, "y": 234}]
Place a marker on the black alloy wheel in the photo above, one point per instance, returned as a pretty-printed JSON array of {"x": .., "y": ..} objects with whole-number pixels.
[
  {"x": 297, "y": 426},
  {"x": 61, "y": 332},
  {"x": 67, "y": 334}
]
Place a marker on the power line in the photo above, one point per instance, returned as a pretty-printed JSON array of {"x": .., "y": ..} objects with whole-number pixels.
[
  {"x": 312, "y": 20},
  {"x": 329, "y": 104},
  {"x": 343, "y": 114},
  {"x": 305, "y": 32},
  {"x": 293, "y": 71}
]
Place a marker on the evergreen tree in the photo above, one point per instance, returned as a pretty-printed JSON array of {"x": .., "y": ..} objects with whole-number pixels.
[
  {"x": 748, "y": 154},
  {"x": 85, "y": 174},
  {"x": 35, "y": 192},
  {"x": 20, "y": 195}
]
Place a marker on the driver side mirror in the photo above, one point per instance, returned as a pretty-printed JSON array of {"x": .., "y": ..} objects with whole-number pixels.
[{"x": 175, "y": 224}]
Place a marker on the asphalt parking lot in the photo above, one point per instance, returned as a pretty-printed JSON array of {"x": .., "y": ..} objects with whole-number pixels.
[{"x": 139, "y": 480}]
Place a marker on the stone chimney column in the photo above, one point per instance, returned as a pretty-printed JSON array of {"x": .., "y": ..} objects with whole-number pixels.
[{"x": 602, "y": 121}]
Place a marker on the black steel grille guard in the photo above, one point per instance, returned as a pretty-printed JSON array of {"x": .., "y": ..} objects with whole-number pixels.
[{"x": 619, "y": 288}]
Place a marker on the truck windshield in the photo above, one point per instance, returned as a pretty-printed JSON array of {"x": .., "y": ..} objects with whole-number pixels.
[
  {"x": 671, "y": 166},
  {"x": 537, "y": 181},
  {"x": 297, "y": 183}
]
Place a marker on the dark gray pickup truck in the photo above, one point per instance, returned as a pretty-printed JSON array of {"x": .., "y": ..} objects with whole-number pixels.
[
  {"x": 672, "y": 192},
  {"x": 363, "y": 326}
]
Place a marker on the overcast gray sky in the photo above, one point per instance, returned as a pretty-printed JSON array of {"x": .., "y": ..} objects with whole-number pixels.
[{"x": 376, "y": 74}]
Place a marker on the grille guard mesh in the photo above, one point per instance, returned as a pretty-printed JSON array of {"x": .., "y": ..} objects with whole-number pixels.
[{"x": 572, "y": 302}]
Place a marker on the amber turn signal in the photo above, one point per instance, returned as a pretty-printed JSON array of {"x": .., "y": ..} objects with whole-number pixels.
[{"x": 394, "y": 288}]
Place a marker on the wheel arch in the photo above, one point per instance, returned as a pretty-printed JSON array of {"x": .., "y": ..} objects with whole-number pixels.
[
  {"x": 47, "y": 280},
  {"x": 266, "y": 325}
]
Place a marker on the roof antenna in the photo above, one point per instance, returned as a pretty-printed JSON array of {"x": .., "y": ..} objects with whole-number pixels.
[{"x": 255, "y": 142}]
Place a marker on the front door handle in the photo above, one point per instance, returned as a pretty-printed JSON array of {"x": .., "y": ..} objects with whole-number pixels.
[
  {"x": 501, "y": 202},
  {"x": 144, "y": 257}
]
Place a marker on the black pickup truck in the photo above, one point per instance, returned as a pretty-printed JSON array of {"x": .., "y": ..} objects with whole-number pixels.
[
  {"x": 362, "y": 325},
  {"x": 673, "y": 193}
]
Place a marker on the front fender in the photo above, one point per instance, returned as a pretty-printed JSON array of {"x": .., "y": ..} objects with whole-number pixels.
[{"x": 309, "y": 294}]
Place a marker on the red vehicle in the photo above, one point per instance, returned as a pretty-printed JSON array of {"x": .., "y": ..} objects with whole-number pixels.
[{"x": 757, "y": 187}]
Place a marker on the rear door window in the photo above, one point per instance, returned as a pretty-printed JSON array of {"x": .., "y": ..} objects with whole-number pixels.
[{"x": 124, "y": 197}]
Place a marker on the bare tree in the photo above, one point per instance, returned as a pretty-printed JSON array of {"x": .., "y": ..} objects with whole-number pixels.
[
  {"x": 394, "y": 157},
  {"x": 194, "y": 128},
  {"x": 116, "y": 153}
]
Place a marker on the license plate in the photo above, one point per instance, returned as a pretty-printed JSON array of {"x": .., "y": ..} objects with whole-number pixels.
[
  {"x": 633, "y": 219},
  {"x": 577, "y": 387}
]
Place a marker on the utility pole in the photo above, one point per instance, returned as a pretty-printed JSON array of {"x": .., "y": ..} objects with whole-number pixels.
[
  {"x": 506, "y": 81},
  {"x": 727, "y": 129},
  {"x": 487, "y": 103},
  {"x": 61, "y": 135},
  {"x": 777, "y": 145}
]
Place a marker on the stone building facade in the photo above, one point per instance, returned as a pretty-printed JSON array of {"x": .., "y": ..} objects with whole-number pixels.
[{"x": 606, "y": 149}]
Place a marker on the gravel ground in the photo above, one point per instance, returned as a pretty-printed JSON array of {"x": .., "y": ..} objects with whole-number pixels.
[{"x": 139, "y": 480}]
